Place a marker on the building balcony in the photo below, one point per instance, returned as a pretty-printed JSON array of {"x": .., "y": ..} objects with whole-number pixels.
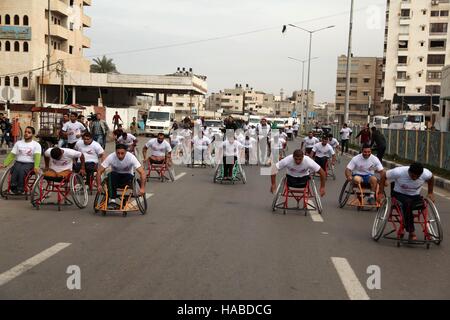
[
  {"x": 405, "y": 4},
  {"x": 59, "y": 32},
  {"x": 87, "y": 21},
  {"x": 59, "y": 7},
  {"x": 86, "y": 42}
]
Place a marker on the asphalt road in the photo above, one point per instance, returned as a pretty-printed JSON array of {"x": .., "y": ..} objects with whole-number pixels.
[{"x": 201, "y": 240}]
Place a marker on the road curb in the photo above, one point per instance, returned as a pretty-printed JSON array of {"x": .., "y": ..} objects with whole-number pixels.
[{"x": 438, "y": 181}]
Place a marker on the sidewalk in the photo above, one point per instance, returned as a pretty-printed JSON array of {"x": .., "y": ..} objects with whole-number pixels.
[{"x": 438, "y": 181}]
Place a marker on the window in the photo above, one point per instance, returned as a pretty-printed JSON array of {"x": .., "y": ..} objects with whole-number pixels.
[
  {"x": 0, "y": 46},
  {"x": 25, "y": 47},
  {"x": 71, "y": 49},
  {"x": 7, "y": 19},
  {"x": 434, "y": 75},
  {"x": 438, "y": 27},
  {"x": 419, "y": 90},
  {"x": 401, "y": 90},
  {"x": 25, "y": 82},
  {"x": 7, "y": 46},
  {"x": 366, "y": 80},
  {"x": 16, "y": 20},
  {"x": 433, "y": 89},
  {"x": 401, "y": 75},
  {"x": 436, "y": 59},
  {"x": 16, "y": 81},
  {"x": 435, "y": 13},
  {"x": 423, "y": 28},
  {"x": 405, "y": 13},
  {"x": 404, "y": 29},
  {"x": 365, "y": 93},
  {"x": 7, "y": 81},
  {"x": 444, "y": 13},
  {"x": 71, "y": 26},
  {"x": 71, "y": 3},
  {"x": 402, "y": 59},
  {"x": 25, "y": 20},
  {"x": 437, "y": 44},
  {"x": 403, "y": 44},
  {"x": 16, "y": 46}
]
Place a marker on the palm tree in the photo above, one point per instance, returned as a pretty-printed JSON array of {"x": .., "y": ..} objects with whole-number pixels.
[{"x": 103, "y": 65}]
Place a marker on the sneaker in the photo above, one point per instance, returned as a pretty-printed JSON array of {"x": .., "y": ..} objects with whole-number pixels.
[
  {"x": 412, "y": 236},
  {"x": 112, "y": 204},
  {"x": 371, "y": 200}
]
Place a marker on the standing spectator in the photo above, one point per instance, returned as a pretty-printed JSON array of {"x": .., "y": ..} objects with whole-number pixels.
[
  {"x": 365, "y": 136},
  {"x": 62, "y": 143},
  {"x": 84, "y": 122},
  {"x": 6, "y": 132},
  {"x": 134, "y": 127},
  {"x": 116, "y": 120},
  {"x": 99, "y": 130},
  {"x": 296, "y": 127},
  {"x": 380, "y": 142},
  {"x": 346, "y": 132}
]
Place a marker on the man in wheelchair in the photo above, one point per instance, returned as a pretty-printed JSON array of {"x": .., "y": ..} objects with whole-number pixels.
[
  {"x": 161, "y": 151},
  {"x": 92, "y": 152},
  {"x": 59, "y": 163},
  {"x": 129, "y": 140},
  {"x": 299, "y": 169},
  {"x": 232, "y": 150},
  {"x": 361, "y": 171},
  {"x": 323, "y": 151},
  {"x": 123, "y": 165},
  {"x": 407, "y": 184},
  {"x": 27, "y": 153}
]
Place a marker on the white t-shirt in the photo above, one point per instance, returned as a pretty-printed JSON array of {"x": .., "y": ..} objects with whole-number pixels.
[
  {"x": 127, "y": 165},
  {"x": 345, "y": 133},
  {"x": 296, "y": 127},
  {"x": 175, "y": 139},
  {"x": 248, "y": 144},
  {"x": 91, "y": 152},
  {"x": 252, "y": 131},
  {"x": 25, "y": 151},
  {"x": 283, "y": 135},
  {"x": 290, "y": 130},
  {"x": 201, "y": 143},
  {"x": 360, "y": 166},
  {"x": 66, "y": 161},
  {"x": 73, "y": 129},
  {"x": 334, "y": 143},
  {"x": 232, "y": 149},
  {"x": 129, "y": 141},
  {"x": 158, "y": 149},
  {"x": 323, "y": 151},
  {"x": 278, "y": 143},
  {"x": 263, "y": 131},
  {"x": 403, "y": 182},
  {"x": 309, "y": 143},
  {"x": 307, "y": 167}
]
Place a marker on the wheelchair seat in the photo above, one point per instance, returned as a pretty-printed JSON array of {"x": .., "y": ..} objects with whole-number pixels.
[{"x": 54, "y": 179}]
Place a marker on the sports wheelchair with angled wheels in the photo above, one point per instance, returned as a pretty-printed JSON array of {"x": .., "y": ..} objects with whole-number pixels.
[
  {"x": 355, "y": 195},
  {"x": 71, "y": 185},
  {"x": 238, "y": 174},
  {"x": 306, "y": 197},
  {"x": 5, "y": 185},
  {"x": 130, "y": 201},
  {"x": 160, "y": 170},
  {"x": 425, "y": 215}
]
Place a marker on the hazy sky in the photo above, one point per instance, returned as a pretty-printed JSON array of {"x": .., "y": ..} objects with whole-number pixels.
[{"x": 258, "y": 58}]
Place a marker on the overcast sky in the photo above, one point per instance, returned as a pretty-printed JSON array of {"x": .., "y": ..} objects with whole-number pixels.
[{"x": 257, "y": 58}]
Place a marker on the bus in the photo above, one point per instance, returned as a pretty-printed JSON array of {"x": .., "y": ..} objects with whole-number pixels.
[
  {"x": 408, "y": 121},
  {"x": 380, "y": 122}
]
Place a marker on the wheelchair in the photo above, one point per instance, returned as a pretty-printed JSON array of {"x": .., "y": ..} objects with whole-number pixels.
[
  {"x": 162, "y": 171},
  {"x": 356, "y": 196},
  {"x": 129, "y": 200},
  {"x": 204, "y": 155},
  {"x": 425, "y": 215},
  {"x": 238, "y": 174},
  {"x": 299, "y": 195},
  {"x": 329, "y": 170},
  {"x": 5, "y": 185},
  {"x": 91, "y": 184},
  {"x": 72, "y": 185}
]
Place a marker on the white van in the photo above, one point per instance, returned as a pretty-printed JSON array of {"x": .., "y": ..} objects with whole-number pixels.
[{"x": 160, "y": 119}]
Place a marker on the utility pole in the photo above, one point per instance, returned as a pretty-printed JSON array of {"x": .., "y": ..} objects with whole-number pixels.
[
  {"x": 61, "y": 88},
  {"x": 309, "y": 75},
  {"x": 49, "y": 37},
  {"x": 349, "y": 61},
  {"x": 370, "y": 106},
  {"x": 42, "y": 83}
]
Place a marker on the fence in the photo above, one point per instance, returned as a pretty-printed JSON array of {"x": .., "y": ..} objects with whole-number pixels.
[{"x": 428, "y": 147}]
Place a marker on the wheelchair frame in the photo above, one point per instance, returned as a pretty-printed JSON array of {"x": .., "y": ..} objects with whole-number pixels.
[
  {"x": 357, "y": 198},
  {"x": 30, "y": 179},
  {"x": 161, "y": 170},
  {"x": 238, "y": 174}
]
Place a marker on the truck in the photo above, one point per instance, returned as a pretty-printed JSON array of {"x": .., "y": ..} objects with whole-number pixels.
[{"x": 160, "y": 120}]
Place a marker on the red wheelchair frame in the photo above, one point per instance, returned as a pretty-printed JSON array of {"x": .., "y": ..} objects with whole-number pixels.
[
  {"x": 160, "y": 169},
  {"x": 30, "y": 179},
  {"x": 63, "y": 187},
  {"x": 298, "y": 194},
  {"x": 422, "y": 218}
]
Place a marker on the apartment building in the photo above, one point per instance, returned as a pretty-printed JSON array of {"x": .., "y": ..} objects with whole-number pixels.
[
  {"x": 365, "y": 87},
  {"x": 416, "y": 47}
]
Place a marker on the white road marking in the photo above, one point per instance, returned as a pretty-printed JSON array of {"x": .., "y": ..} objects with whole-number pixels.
[
  {"x": 353, "y": 287},
  {"x": 134, "y": 203},
  {"x": 9, "y": 275},
  {"x": 315, "y": 216},
  {"x": 181, "y": 175},
  {"x": 438, "y": 193}
]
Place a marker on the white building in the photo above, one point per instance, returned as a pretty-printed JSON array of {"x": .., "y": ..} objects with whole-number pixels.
[
  {"x": 443, "y": 120},
  {"x": 416, "y": 46}
]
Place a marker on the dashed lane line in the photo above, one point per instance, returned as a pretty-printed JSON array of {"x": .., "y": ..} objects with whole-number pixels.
[
  {"x": 18, "y": 270},
  {"x": 181, "y": 175},
  {"x": 353, "y": 287}
]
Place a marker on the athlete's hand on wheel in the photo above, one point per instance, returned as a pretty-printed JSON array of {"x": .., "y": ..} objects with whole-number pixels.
[
  {"x": 431, "y": 197},
  {"x": 322, "y": 192},
  {"x": 273, "y": 188},
  {"x": 141, "y": 191}
]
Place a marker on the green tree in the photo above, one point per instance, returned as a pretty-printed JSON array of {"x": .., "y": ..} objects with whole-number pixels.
[{"x": 103, "y": 65}]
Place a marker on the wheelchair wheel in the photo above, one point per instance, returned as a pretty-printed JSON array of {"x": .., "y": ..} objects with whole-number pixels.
[
  {"x": 4, "y": 184},
  {"x": 140, "y": 200},
  {"x": 345, "y": 193},
  {"x": 99, "y": 198},
  {"x": 278, "y": 193},
  {"x": 316, "y": 195},
  {"x": 216, "y": 173},
  {"x": 37, "y": 192},
  {"x": 242, "y": 172},
  {"x": 79, "y": 191},
  {"x": 381, "y": 219},
  {"x": 171, "y": 172},
  {"x": 434, "y": 226}
]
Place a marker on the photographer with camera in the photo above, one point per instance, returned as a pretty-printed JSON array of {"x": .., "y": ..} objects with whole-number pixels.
[{"x": 99, "y": 129}]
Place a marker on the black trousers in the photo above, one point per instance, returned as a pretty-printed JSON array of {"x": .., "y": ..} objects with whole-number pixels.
[
  {"x": 297, "y": 182},
  {"x": 116, "y": 181},
  {"x": 344, "y": 144},
  {"x": 322, "y": 162},
  {"x": 380, "y": 153},
  {"x": 18, "y": 174},
  {"x": 228, "y": 165},
  {"x": 91, "y": 168},
  {"x": 407, "y": 203}
]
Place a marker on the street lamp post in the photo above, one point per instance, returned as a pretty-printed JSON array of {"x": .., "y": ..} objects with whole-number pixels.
[
  {"x": 303, "y": 83},
  {"x": 309, "y": 58}
]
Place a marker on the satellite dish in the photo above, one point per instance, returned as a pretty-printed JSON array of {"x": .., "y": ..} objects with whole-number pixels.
[{"x": 7, "y": 93}]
